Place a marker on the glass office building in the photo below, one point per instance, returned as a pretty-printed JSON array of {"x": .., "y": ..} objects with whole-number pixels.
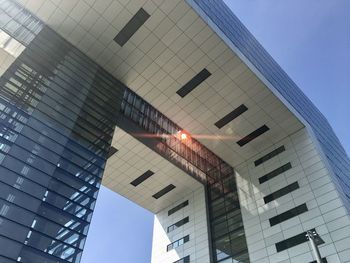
[{"x": 174, "y": 105}]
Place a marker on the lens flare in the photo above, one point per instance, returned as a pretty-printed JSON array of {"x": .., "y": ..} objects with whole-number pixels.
[{"x": 182, "y": 135}]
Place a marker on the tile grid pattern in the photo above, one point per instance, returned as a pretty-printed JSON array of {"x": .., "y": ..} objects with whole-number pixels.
[
  {"x": 5, "y": 61},
  {"x": 235, "y": 33},
  {"x": 133, "y": 159},
  {"x": 196, "y": 228},
  {"x": 159, "y": 73},
  {"x": 326, "y": 212},
  {"x": 163, "y": 55}
]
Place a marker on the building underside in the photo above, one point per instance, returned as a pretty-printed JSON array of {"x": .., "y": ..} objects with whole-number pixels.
[{"x": 174, "y": 105}]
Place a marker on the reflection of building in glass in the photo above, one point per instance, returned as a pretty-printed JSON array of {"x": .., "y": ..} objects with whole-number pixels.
[{"x": 178, "y": 108}]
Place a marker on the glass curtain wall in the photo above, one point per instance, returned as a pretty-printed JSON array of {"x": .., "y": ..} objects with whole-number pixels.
[
  {"x": 227, "y": 230},
  {"x": 238, "y": 34},
  {"x": 225, "y": 219},
  {"x": 58, "y": 112}
]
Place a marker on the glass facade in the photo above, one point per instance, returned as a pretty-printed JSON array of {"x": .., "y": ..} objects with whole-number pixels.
[
  {"x": 18, "y": 23},
  {"x": 178, "y": 243},
  {"x": 227, "y": 230},
  {"x": 228, "y": 240},
  {"x": 233, "y": 29},
  {"x": 58, "y": 112}
]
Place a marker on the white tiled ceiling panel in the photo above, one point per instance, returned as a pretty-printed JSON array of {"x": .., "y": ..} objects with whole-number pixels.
[
  {"x": 168, "y": 50},
  {"x": 131, "y": 161}
]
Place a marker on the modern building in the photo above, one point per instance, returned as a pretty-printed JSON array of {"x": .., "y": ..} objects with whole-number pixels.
[{"x": 174, "y": 105}]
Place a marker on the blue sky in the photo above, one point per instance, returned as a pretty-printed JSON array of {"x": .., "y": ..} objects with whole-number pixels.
[{"x": 311, "y": 41}]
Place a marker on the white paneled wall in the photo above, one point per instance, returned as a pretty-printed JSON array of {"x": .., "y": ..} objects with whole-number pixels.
[
  {"x": 132, "y": 160},
  {"x": 196, "y": 228},
  {"x": 171, "y": 47},
  {"x": 326, "y": 212},
  {"x": 5, "y": 61}
]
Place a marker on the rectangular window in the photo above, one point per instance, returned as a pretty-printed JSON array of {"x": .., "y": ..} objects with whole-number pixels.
[
  {"x": 112, "y": 151},
  {"x": 131, "y": 27},
  {"x": 178, "y": 224},
  {"x": 288, "y": 214},
  {"x": 231, "y": 116},
  {"x": 255, "y": 134},
  {"x": 193, "y": 83},
  {"x": 142, "y": 178},
  {"x": 281, "y": 192},
  {"x": 178, "y": 243},
  {"x": 164, "y": 191},
  {"x": 275, "y": 172},
  {"x": 270, "y": 155},
  {"x": 177, "y": 208},
  {"x": 183, "y": 260},
  {"x": 324, "y": 260},
  {"x": 292, "y": 241}
]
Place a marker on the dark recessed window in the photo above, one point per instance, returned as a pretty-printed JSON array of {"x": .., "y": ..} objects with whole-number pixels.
[
  {"x": 270, "y": 155},
  {"x": 183, "y": 260},
  {"x": 288, "y": 214},
  {"x": 164, "y": 191},
  {"x": 178, "y": 224},
  {"x": 177, "y": 208},
  {"x": 178, "y": 243},
  {"x": 231, "y": 116},
  {"x": 281, "y": 192},
  {"x": 131, "y": 27},
  {"x": 142, "y": 178},
  {"x": 292, "y": 241},
  {"x": 255, "y": 134},
  {"x": 193, "y": 83},
  {"x": 112, "y": 151},
  {"x": 324, "y": 260},
  {"x": 274, "y": 173}
]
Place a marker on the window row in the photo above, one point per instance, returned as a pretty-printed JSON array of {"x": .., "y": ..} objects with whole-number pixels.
[
  {"x": 177, "y": 208},
  {"x": 281, "y": 192},
  {"x": 178, "y": 224},
  {"x": 178, "y": 243},
  {"x": 164, "y": 191},
  {"x": 55, "y": 113},
  {"x": 26, "y": 253},
  {"x": 183, "y": 260},
  {"x": 16, "y": 121},
  {"x": 275, "y": 173},
  {"x": 288, "y": 214},
  {"x": 270, "y": 155},
  {"x": 292, "y": 241}
]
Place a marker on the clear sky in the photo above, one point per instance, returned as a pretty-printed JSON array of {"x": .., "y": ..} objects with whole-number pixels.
[{"x": 311, "y": 41}]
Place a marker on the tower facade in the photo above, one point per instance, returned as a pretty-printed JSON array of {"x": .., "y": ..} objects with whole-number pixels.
[{"x": 174, "y": 105}]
